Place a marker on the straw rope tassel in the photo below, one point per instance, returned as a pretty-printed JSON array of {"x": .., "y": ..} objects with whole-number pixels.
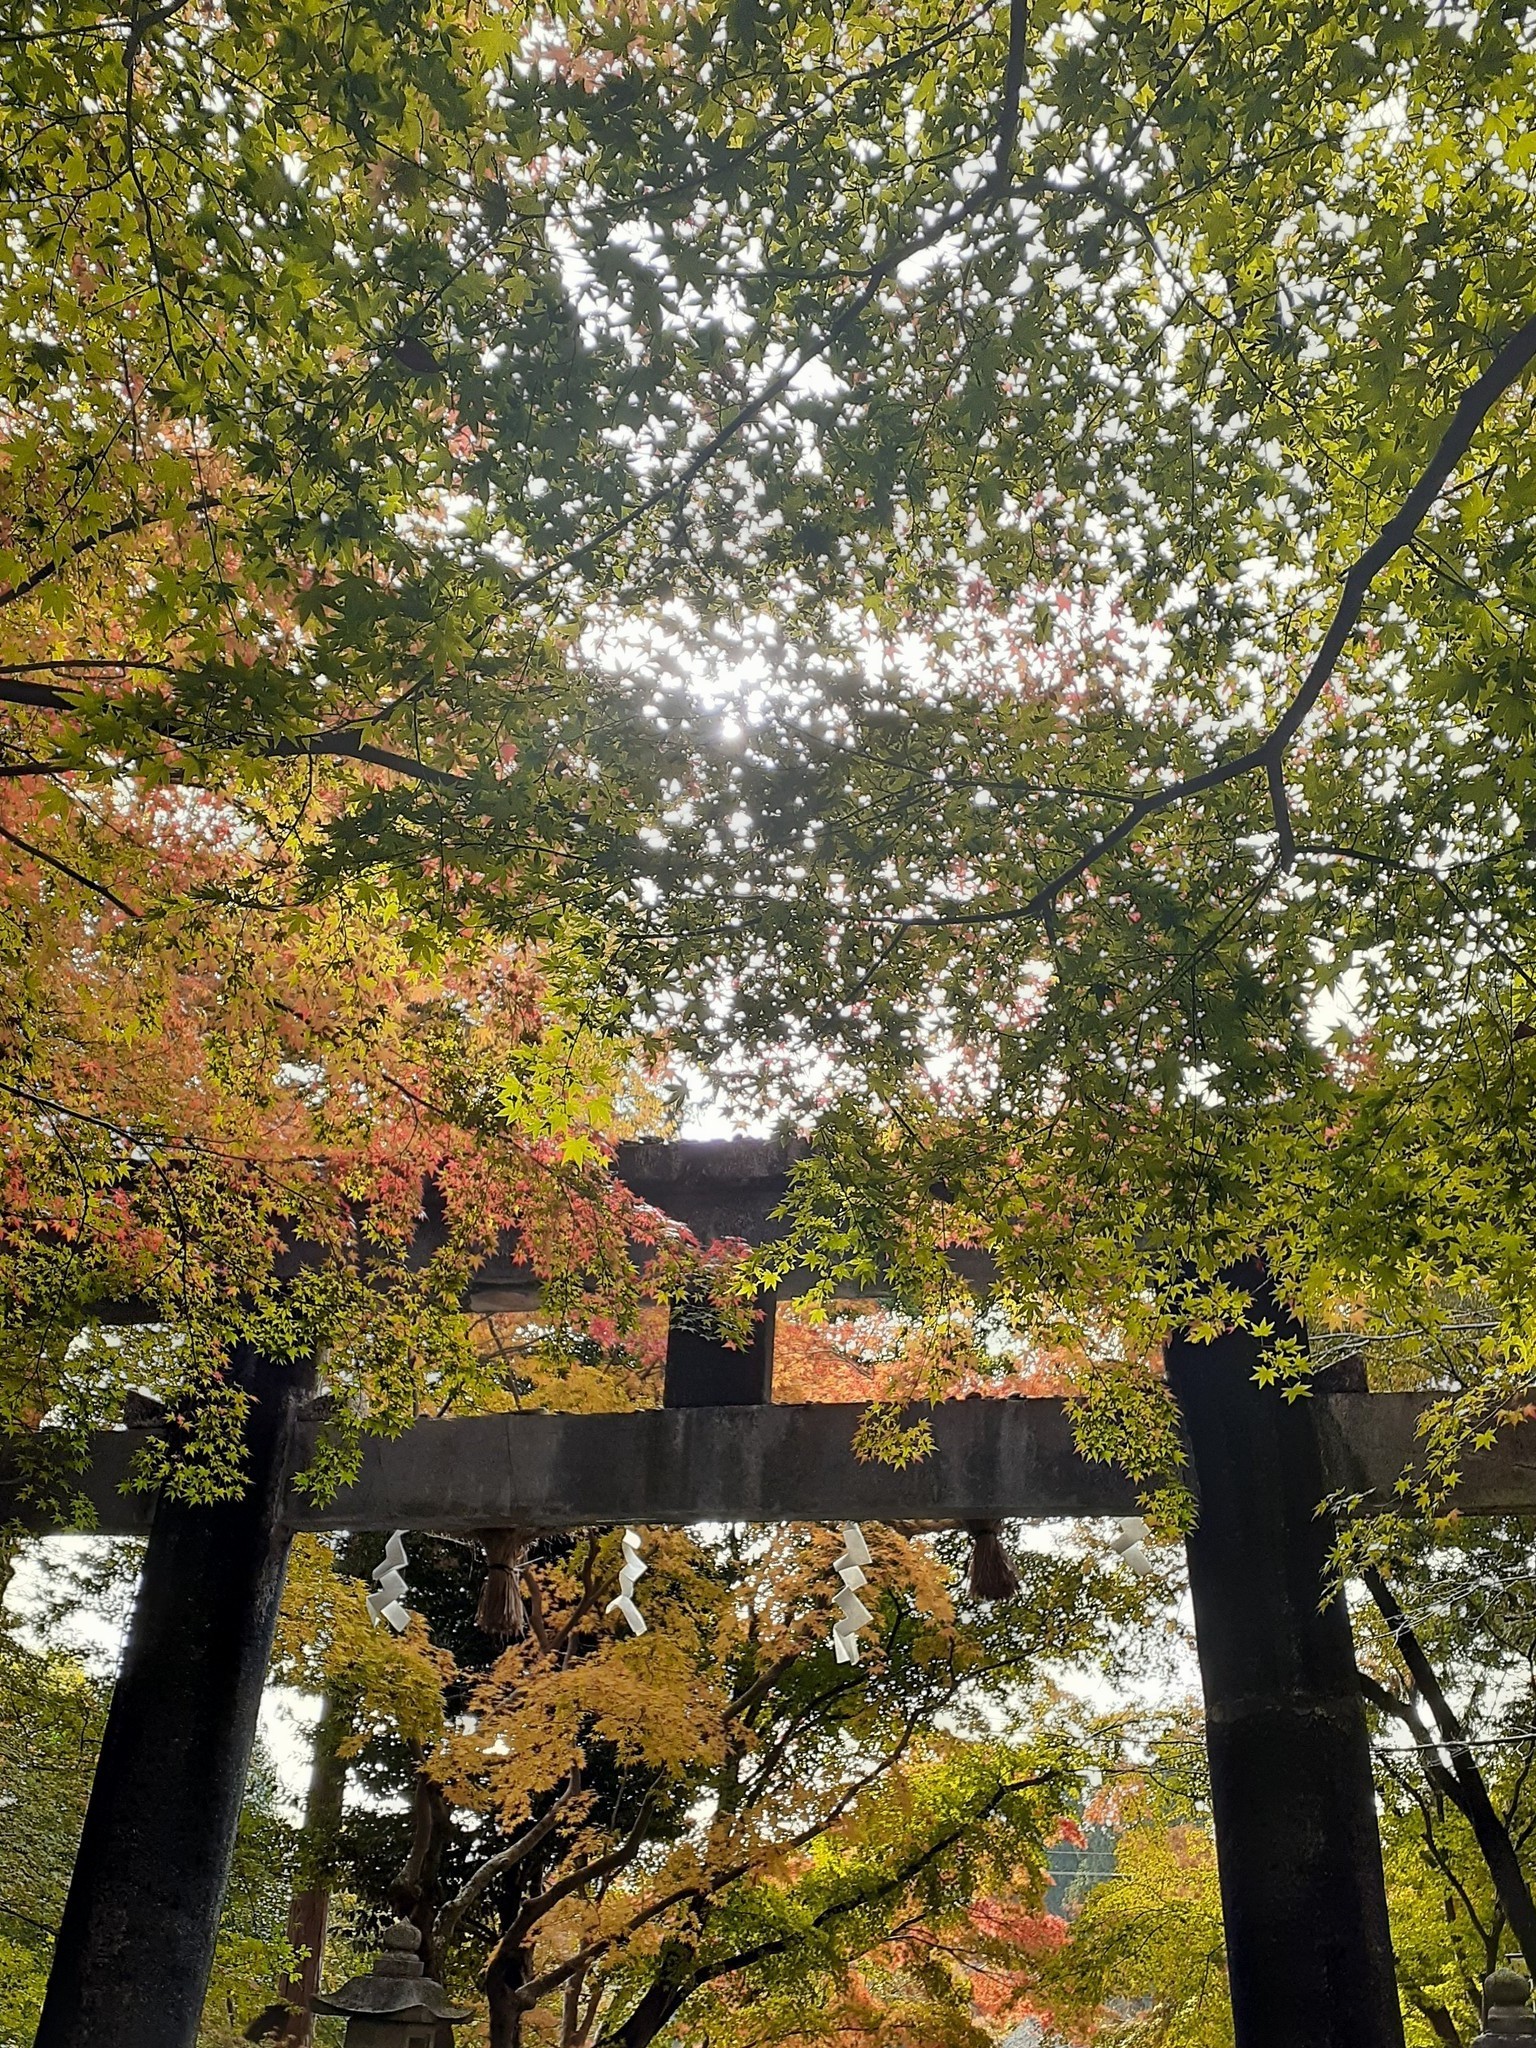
[
  {"x": 992, "y": 1574},
  {"x": 500, "y": 1611}
]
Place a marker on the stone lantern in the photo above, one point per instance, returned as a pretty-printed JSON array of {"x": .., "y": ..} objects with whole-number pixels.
[
  {"x": 1508, "y": 2021},
  {"x": 394, "y": 2006}
]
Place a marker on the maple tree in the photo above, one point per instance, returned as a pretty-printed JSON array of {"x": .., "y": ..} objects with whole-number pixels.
[
  {"x": 987, "y": 547},
  {"x": 716, "y": 1825},
  {"x": 231, "y": 454},
  {"x": 190, "y": 1091},
  {"x": 1141, "y": 1958},
  {"x": 1096, "y": 439}
]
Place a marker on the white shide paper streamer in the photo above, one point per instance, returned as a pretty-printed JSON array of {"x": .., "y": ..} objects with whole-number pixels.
[
  {"x": 851, "y": 1612},
  {"x": 1127, "y": 1545},
  {"x": 387, "y": 1602},
  {"x": 630, "y": 1573}
]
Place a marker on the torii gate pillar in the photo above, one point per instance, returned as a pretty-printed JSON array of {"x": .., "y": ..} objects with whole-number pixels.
[
  {"x": 135, "y": 1947},
  {"x": 1309, "y": 1952}
]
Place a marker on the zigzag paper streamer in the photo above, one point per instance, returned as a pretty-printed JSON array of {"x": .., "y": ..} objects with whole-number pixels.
[
  {"x": 387, "y": 1602},
  {"x": 852, "y": 1613},
  {"x": 630, "y": 1573},
  {"x": 1127, "y": 1546}
]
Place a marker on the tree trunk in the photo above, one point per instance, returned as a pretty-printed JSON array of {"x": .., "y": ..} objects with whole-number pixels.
[
  {"x": 655, "y": 2012},
  {"x": 416, "y": 1893},
  {"x": 503, "y": 1981},
  {"x": 662, "y": 2000},
  {"x": 1467, "y": 1787},
  {"x": 1445, "y": 2028},
  {"x": 309, "y": 1909}
]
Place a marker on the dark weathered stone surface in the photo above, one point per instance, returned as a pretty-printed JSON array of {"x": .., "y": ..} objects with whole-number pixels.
[
  {"x": 701, "y": 1372},
  {"x": 136, "y": 1943},
  {"x": 718, "y": 1187},
  {"x": 748, "y": 1464},
  {"x": 1304, "y": 1905},
  {"x": 1369, "y": 1440},
  {"x": 993, "y": 1459}
]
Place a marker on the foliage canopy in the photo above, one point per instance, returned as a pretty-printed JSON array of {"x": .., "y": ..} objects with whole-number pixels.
[{"x": 987, "y": 547}]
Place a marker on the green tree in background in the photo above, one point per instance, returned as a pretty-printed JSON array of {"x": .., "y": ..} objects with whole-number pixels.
[
  {"x": 1448, "y": 1657},
  {"x": 1144, "y": 1961},
  {"x": 1444, "y": 1625}
]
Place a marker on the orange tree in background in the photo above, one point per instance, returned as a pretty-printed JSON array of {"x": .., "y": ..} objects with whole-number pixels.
[{"x": 714, "y": 1830}]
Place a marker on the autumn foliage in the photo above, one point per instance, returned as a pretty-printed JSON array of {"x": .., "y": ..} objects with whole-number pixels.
[
  {"x": 235, "y": 1107},
  {"x": 714, "y": 1825}
]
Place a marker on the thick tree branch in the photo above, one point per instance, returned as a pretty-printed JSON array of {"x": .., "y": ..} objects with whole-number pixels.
[
  {"x": 517, "y": 1849},
  {"x": 131, "y": 522},
  {"x": 1479, "y": 399},
  {"x": 1445, "y": 2028},
  {"x": 1387, "y": 1702},
  {"x": 345, "y": 743},
  {"x": 754, "y": 1694},
  {"x": 584, "y": 1873},
  {"x": 351, "y": 746},
  {"x": 36, "y": 696}
]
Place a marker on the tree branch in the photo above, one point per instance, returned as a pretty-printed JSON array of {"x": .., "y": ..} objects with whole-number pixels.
[
  {"x": 1280, "y": 803},
  {"x": 584, "y": 1873},
  {"x": 350, "y": 746},
  {"x": 1445, "y": 2028},
  {"x": 131, "y": 522},
  {"x": 1507, "y": 367},
  {"x": 912, "y": 1868},
  {"x": 1477, "y": 401},
  {"x": 72, "y": 874},
  {"x": 345, "y": 743},
  {"x": 1498, "y": 1852},
  {"x": 517, "y": 1849},
  {"x": 754, "y": 1694},
  {"x": 534, "y": 1988},
  {"x": 38, "y": 696},
  {"x": 1386, "y": 1701}
]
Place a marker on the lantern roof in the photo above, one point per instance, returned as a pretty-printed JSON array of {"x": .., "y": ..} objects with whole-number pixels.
[{"x": 395, "y": 1987}]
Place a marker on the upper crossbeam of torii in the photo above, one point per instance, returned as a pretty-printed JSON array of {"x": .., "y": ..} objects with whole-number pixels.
[
  {"x": 755, "y": 1460},
  {"x": 1309, "y": 1950}
]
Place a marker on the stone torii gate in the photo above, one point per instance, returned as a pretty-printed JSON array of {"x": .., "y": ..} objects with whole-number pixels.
[{"x": 1303, "y": 1896}]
